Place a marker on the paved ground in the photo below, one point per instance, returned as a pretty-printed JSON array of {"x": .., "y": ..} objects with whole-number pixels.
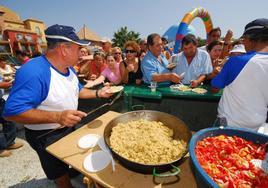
[{"x": 23, "y": 170}]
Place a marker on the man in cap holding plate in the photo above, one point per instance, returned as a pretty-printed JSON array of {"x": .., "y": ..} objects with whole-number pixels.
[{"x": 45, "y": 96}]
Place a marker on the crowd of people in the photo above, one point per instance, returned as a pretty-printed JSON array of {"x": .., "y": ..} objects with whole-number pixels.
[
  {"x": 47, "y": 98},
  {"x": 149, "y": 61}
]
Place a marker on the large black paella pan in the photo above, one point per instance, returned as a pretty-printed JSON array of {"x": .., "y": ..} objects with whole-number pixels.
[{"x": 180, "y": 130}]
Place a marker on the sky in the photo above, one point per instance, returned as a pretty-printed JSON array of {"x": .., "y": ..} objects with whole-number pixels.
[{"x": 105, "y": 17}]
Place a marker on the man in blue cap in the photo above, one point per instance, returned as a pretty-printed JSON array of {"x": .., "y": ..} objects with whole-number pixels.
[
  {"x": 245, "y": 97},
  {"x": 45, "y": 96}
]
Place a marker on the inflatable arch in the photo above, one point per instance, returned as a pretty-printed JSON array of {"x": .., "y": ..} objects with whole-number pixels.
[{"x": 187, "y": 19}]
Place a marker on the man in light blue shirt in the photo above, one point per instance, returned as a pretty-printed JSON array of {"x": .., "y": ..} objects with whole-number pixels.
[
  {"x": 154, "y": 64},
  {"x": 193, "y": 64}
]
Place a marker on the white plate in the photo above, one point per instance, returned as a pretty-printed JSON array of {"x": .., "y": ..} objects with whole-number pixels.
[
  {"x": 199, "y": 90},
  {"x": 262, "y": 164},
  {"x": 171, "y": 65},
  {"x": 184, "y": 88},
  {"x": 88, "y": 141},
  {"x": 114, "y": 89},
  {"x": 97, "y": 161},
  {"x": 5, "y": 96},
  {"x": 102, "y": 145}
]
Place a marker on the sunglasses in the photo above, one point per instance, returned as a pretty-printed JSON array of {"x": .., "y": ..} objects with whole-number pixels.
[{"x": 130, "y": 51}]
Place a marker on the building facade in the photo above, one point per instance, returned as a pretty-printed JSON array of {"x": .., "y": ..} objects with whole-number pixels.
[{"x": 15, "y": 34}]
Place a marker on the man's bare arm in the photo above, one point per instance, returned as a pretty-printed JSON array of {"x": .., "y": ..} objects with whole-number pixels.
[
  {"x": 36, "y": 116},
  {"x": 89, "y": 94},
  {"x": 173, "y": 77}
]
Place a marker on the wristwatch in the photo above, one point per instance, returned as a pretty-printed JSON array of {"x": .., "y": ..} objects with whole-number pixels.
[{"x": 97, "y": 94}]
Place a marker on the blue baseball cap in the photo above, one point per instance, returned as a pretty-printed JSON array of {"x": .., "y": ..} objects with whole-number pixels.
[
  {"x": 62, "y": 33},
  {"x": 256, "y": 27}
]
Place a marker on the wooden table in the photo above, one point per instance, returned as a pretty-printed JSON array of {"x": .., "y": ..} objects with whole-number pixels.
[{"x": 66, "y": 149}]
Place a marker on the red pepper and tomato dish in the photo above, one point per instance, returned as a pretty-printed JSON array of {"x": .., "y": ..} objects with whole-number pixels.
[{"x": 226, "y": 159}]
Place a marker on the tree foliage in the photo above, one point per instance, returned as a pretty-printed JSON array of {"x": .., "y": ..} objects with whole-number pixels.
[
  {"x": 122, "y": 35},
  {"x": 201, "y": 42}
]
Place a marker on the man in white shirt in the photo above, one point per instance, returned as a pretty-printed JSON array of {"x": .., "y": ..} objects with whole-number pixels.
[
  {"x": 45, "y": 96},
  {"x": 193, "y": 64},
  {"x": 245, "y": 98}
]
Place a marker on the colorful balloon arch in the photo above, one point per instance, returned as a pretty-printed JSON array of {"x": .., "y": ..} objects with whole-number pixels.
[{"x": 187, "y": 19}]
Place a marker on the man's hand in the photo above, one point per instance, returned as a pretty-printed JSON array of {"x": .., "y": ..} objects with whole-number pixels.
[
  {"x": 175, "y": 78},
  {"x": 194, "y": 83},
  {"x": 103, "y": 94},
  {"x": 86, "y": 58},
  {"x": 5, "y": 85},
  {"x": 228, "y": 36},
  {"x": 69, "y": 118}
]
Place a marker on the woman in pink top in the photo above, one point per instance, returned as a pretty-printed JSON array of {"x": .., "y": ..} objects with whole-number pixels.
[{"x": 111, "y": 72}]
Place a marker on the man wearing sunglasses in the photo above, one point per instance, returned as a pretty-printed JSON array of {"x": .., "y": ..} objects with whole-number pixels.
[{"x": 154, "y": 64}]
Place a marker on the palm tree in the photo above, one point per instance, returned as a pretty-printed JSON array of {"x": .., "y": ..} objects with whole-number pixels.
[
  {"x": 201, "y": 42},
  {"x": 123, "y": 35}
]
